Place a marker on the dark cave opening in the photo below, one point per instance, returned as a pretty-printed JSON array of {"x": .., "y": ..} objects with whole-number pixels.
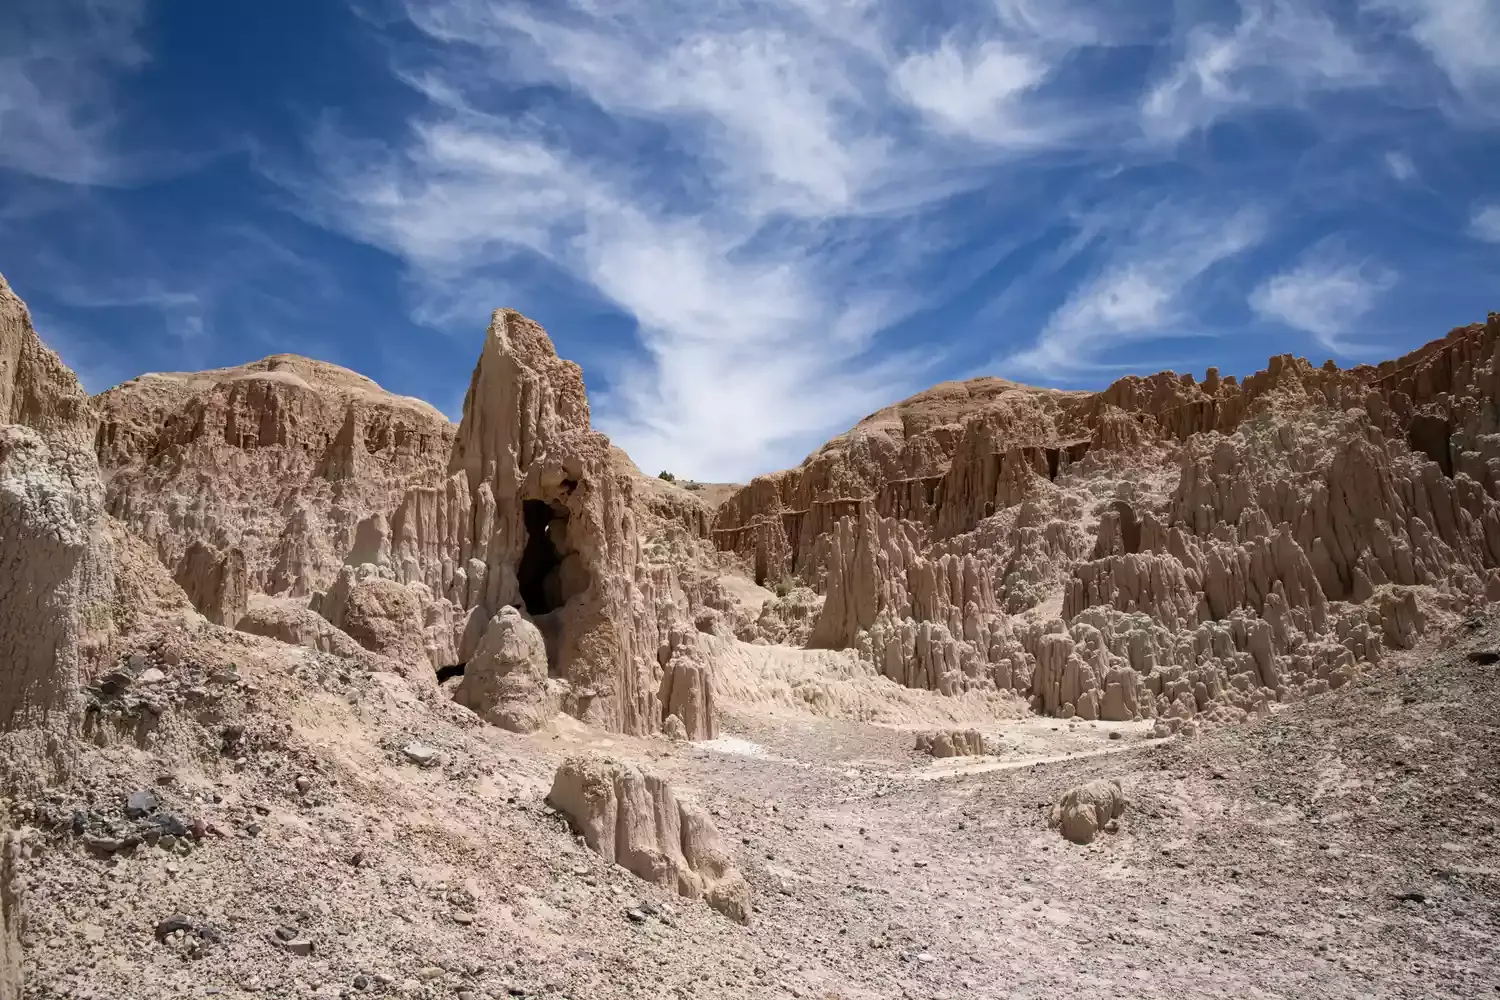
[
  {"x": 1431, "y": 434},
  {"x": 1130, "y": 527},
  {"x": 539, "y": 560}
]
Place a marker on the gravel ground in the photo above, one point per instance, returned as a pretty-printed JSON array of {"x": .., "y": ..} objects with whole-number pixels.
[{"x": 1342, "y": 847}]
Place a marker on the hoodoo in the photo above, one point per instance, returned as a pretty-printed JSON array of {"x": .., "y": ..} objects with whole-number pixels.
[{"x": 1167, "y": 548}]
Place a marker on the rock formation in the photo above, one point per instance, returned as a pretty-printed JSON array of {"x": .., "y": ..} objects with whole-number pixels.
[
  {"x": 291, "y": 621},
  {"x": 505, "y": 681},
  {"x": 687, "y": 685},
  {"x": 55, "y": 601},
  {"x": 291, "y": 479},
  {"x": 1087, "y": 810},
  {"x": 216, "y": 582},
  {"x": 1167, "y": 548},
  {"x": 953, "y": 743},
  {"x": 1164, "y": 548},
  {"x": 281, "y": 458},
  {"x": 538, "y": 513},
  {"x": 10, "y": 916},
  {"x": 381, "y": 615},
  {"x": 633, "y": 818}
]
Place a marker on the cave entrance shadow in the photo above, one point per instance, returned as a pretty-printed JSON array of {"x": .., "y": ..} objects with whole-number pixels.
[{"x": 537, "y": 573}]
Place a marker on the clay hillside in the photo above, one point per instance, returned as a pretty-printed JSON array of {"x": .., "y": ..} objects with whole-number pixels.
[{"x": 1182, "y": 688}]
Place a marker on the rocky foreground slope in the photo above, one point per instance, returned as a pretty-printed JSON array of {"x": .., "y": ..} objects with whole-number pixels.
[{"x": 289, "y": 662}]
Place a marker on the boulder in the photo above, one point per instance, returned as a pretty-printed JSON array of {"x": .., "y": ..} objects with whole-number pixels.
[
  {"x": 1087, "y": 809},
  {"x": 291, "y": 621},
  {"x": 505, "y": 681},
  {"x": 382, "y": 616},
  {"x": 953, "y": 743},
  {"x": 633, "y": 818}
]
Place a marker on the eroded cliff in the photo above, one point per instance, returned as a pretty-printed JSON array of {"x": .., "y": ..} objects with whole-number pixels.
[{"x": 1167, "y": 547}]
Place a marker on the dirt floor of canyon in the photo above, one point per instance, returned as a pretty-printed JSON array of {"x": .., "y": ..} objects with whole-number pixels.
[{"x": 1343, "y": 846}]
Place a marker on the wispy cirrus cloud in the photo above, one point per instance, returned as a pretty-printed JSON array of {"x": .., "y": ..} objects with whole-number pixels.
[
  {"x": 1326, "y": 293},
  {"x": 800, "y": 155},
  {"x": 1275, "y": 54},
  {"x": 1401, "y": 166},
  {"x": 59, "y": 117},
  {"x": 1152, "y": 263},
  {"x": 1461, "y": 36},
  {"x": 1485, "y": 222}
]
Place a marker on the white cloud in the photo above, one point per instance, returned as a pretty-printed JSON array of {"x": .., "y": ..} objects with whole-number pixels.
[
  {"x": 1325, "y": 294},
  {"x": 971, "y": 93},
  {"x": 1462, "y": 36},
  {"x": 1277, "y": 53},
  {"x": 744, "y": 350},
  {"x": 1486, "y": 222},
  {"x": 776, "y": 99},
  {"x": 59, "y": 60},
  {"x": 1140, "y": 293},
  {"x": 762, "y": 241},
  {"x": 1401, "y": 167},
  {"x": 761, "y": 184}
]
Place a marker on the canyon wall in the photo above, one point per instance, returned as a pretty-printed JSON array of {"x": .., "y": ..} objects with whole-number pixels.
[
  {"x": 1167, "y": 547},
  {"x": 56, "y": 575},
  {"x": 299, "y": 481}
]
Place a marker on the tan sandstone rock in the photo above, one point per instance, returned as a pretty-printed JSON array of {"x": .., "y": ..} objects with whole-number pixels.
[
  {"x": 687, "y": 686},
  {"x": 381, "y": 615},
  {"x": 1167, "y": 548},
  {"x": 281, "y": 458},
  {"x": 673, "y": 729},
  {"x": 538, "y": 512},
  {"x": 10, "y": 916},
  {"x": 1083, "y": 812},
  {"x": 633, "y": 818},
  {"x": 505, "y": 681},
  {"x": 216, "y": 582},
  {"x": 953, "y": 743},
  {"x": 57, "y": 601},
  {"x": 410, "y": 534},
  {"x": 57, "y": 598},
  {"x": 291, "y": 621}
]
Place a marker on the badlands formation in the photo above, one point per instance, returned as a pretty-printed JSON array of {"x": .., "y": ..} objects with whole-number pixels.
[{"x": 1181, "y": 688}]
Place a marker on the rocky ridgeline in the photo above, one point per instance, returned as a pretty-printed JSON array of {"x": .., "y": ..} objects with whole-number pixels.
[
  {"x": 1168, "y": 548},
  {"x": 1165, "y": 548}
]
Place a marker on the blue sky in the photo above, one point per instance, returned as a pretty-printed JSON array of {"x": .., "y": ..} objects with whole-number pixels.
[{"x": 752, "y": 222}]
